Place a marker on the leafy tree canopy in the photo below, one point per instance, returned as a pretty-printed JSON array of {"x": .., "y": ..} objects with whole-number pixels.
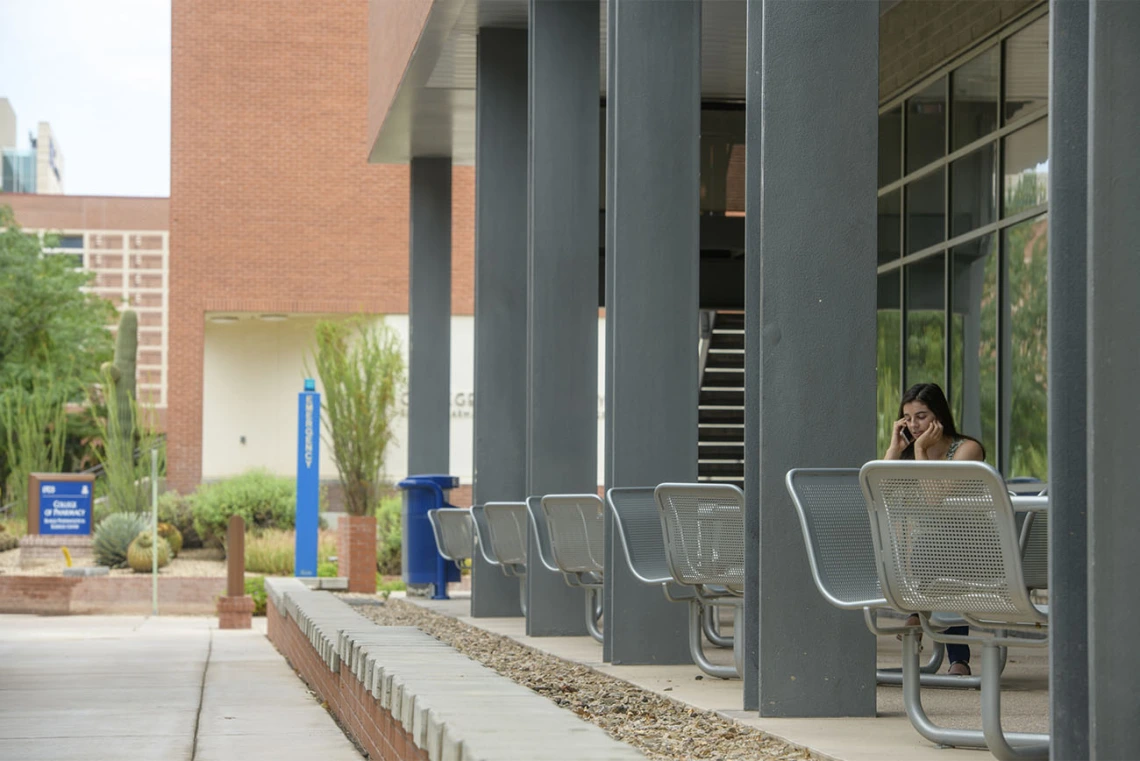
[{"x": 48, "y": 323}]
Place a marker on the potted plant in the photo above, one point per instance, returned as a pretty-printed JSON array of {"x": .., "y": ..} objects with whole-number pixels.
[{"x": 361, "y": 368}]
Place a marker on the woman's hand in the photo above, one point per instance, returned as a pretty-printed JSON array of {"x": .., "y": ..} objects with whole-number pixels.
[
  {"x": 929, "y": 438},
  {"x": 898, "y": 441}
]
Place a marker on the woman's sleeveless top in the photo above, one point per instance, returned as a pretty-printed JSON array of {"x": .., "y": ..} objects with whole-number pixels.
[{"x": 953, "y": 448}]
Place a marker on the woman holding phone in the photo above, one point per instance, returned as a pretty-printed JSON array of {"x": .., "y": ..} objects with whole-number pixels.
[{"x": 925, "y": 431}]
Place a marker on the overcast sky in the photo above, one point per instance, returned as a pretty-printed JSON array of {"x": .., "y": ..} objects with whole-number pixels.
[{"x": 99, "y": 72}]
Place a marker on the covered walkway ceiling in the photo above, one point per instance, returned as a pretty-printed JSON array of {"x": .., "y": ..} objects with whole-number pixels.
[{"x": 433, "y": 113}]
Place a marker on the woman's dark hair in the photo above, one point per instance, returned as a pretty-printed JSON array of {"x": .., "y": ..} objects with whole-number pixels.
[{"x": 931, "y": 395}]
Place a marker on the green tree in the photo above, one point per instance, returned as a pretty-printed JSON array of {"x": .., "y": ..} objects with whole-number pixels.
[
  {"x": 53, "y": 332},
  {"x": 362, "y": 370}
]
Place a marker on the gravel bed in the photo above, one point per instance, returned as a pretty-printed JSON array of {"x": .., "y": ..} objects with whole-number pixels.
[
  {"x": 663, "y": 729},
  {"x": 189, "y": 563}
]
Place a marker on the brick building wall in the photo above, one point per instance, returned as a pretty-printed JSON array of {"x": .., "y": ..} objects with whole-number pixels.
[
  {"x": 917, "y": 36},
  {"x": 274, "y": 207}
]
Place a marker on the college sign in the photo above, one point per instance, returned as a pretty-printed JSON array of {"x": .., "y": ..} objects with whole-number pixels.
[{"x": 60, "y": 503}]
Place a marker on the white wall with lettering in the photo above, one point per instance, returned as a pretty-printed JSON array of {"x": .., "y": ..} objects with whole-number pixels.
[{"x": 254, "y": 369}]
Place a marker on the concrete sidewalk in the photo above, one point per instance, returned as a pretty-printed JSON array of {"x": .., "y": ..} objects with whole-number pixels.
[{"x": 117, "y": 688}]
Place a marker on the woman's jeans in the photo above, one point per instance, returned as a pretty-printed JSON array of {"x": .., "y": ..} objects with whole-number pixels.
[{"x": 958, "y": 653}]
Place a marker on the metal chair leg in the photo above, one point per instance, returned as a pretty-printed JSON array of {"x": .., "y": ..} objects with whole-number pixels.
[
  {"x": 1006, "y": 747},
  {"x": 593, "y": 614},
  {"x": 711, "y": 625},
  {"x": 695, "y": 646},
  {"x": 912, "y": 701}
]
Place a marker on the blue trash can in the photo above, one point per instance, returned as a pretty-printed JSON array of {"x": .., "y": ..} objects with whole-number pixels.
[{"x": 422, "y": 565}]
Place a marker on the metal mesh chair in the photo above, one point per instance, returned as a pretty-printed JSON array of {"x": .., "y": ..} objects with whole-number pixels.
[
  {"x": 945, "y": 539},
  {"x": 454, "y": 531},
  {"x": 837, "y": 536},
  {"x": 540, "y": 534},
  {"x": 508, "y": 526},
  {"x": 703, "y": 532},
  {"x": 574, "y": 524},
  {"x": 483, "y": 535}
]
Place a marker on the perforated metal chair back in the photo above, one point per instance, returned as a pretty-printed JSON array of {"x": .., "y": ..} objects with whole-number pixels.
[
  {"x": 1035, "y": 549},
  {"x": 508, "y": 524},
  {"x": 638, "y": 525},
  {"x": 837, "y": 534},
  {"x": 945, "y": 539},
  {"x": 483, "y": 534},
  {"x": 703, "y": 527},
  {"x": 576, "y": 525},
  {"x": 540, "y": 533},
  {"x": 454, "y": 532}
]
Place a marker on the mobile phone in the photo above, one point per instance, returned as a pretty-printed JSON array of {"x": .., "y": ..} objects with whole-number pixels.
[{"x": 906, "y": 435}]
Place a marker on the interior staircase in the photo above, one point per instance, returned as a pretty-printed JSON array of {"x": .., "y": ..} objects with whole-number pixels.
[{"x": 720, "y": 436}]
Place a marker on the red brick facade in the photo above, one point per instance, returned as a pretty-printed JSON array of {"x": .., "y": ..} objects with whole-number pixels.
[
  {"x": 108, "y": 595},
  {"x": 274, "y": 206},
  {"x": 372, "y": 727}
]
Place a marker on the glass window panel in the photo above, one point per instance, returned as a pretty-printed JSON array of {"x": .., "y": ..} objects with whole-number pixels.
[
  {"x": 888, "y": 356},
  {"x": 1027, "y": 247},
  {"x": 974, "y": 111},
  {"x": 974, "y": 341},
  {"x": 973, "y": 193},
  {"x": 1026, "y": 156},
  {"x": 926, "y": 321},
  {"x": 890, "y": 146},
  {"x": 890, "y": 226},
  {"x": 1027, "y": 70},
  {"x": 926, "y": 126},
  {"x": 926, "y": 212}
]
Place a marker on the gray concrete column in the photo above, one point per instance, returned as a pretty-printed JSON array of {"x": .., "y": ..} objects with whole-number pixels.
[
  {"x": 753, "y": 181},
  {"x": 1113, "y": 369},
  {"x": 500, "y": 294},
  {"x": 1068, "y": 381},
  {"x": 652, "y": 245},
  {"x": 811, "y": 224},
  {"x": 562, "y": 301},
  {"x": 429, "y": 317}
]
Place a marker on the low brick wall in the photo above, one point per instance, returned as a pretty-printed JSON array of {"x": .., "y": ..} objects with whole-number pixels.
[
  {"x": 405, "y": 695},
  {"x": 370, "y": 725},
  {"x": 108, "y": 595}
]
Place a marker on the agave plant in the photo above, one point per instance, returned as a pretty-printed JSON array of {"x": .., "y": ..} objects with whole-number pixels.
[{"x": 114, "y": 535}]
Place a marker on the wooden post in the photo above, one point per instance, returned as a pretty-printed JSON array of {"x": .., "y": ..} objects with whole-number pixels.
[
  {"x": 235, "y": 610},
  {"x": 235, "y": 557}
]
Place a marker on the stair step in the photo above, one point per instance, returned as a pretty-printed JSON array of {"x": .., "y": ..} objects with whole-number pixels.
[
  {"x": 720, "y": 451},
  {"x": 720, "y": 470},
  {"x": 729, "y": 320},
  {"x": 714, "y": 416},
  {"x": 723, "y": 378},
  {"x": 726, "y": 340},
  {"x": 723, "y": 398},
  {"x": 724, "y": 359}
]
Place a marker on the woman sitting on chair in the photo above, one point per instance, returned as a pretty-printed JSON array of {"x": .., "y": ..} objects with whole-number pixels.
[{"x": 925, "y": 431}]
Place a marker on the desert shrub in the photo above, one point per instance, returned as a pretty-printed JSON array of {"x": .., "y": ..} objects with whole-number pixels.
[
  {"x": 172, "y": 536},
  {"x": 389, "y": 539},
  {"x": 255, "y": 588},
  {"x": 8, "y": 541},
  {"x": 272, "y": 551},
  {"x": 178, "y": 511},
  {"x": 327, "y": 570},
  {"x": 113, "y": 536},
  {"x": 261, "y": 498},
  {"x": 141, "y": 553}
]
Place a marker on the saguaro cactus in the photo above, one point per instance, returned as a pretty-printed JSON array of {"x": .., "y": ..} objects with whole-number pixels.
[{"x": 119, "y": 447}]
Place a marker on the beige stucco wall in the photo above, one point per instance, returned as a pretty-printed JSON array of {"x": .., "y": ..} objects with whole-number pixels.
[{"x": 253, "y": 371}]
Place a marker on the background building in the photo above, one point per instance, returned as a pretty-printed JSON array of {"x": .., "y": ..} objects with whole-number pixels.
[
  {"x": 36, "y": 169},
  {"x": 277, "y": 219},
  {"x": 126, "y": 243}
]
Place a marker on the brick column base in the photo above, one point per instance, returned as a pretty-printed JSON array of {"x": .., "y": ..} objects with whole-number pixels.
[
  {"x": 356, "y": 552},
  {"x": 235, "y": 612}
]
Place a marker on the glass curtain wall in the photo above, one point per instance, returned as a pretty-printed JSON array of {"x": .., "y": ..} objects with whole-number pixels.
[{"x": 962, "y": 252}]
